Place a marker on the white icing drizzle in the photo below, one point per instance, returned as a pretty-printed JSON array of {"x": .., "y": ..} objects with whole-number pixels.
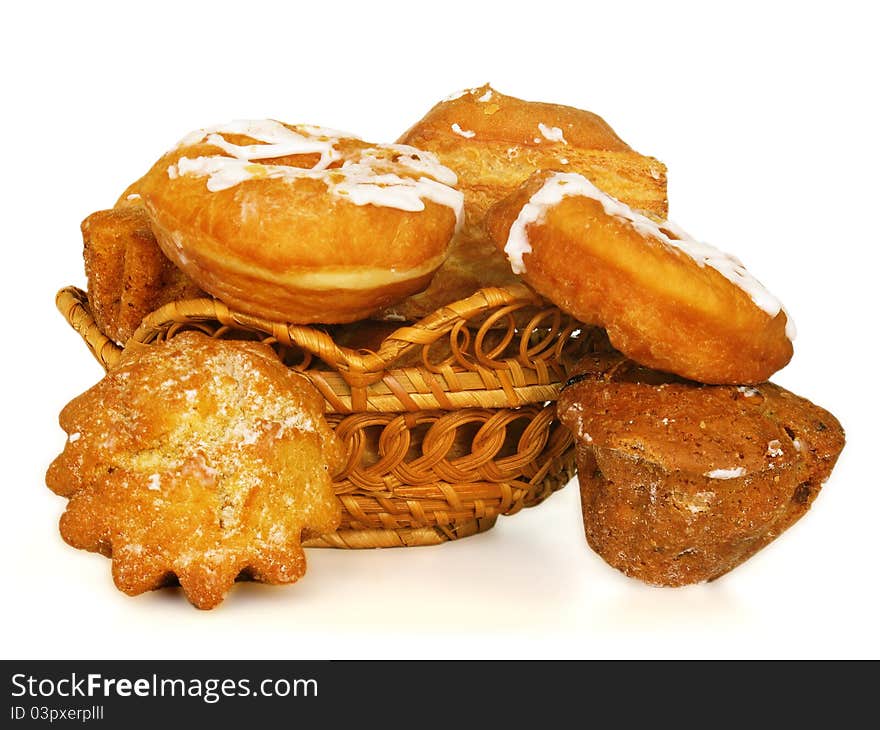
[
  {"x": 392, "y": 191},
  {"x": 277, "y": 140},
  {"x": 554, "y": 134},
  {"x": 369, "y": 179},
  {"x": 223, "y": 172},
  {"x": 564, "y": 184},
  {"x": 733, "y": 473},
  {"x": 419, "y": 161},
  {"x": 325, "y": 131},
  {"x": 467, "y": 133},
  {"x": 456, "y": 95}
]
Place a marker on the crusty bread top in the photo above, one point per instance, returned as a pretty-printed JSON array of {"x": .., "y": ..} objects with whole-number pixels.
[
  {"x": 495, "y": 117},
  {"x": 718, "y": 431}
]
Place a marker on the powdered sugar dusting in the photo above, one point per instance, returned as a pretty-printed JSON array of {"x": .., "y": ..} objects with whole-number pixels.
[
  {"x": 244, "y": 433},
  {"x": 297, "y": 421}
]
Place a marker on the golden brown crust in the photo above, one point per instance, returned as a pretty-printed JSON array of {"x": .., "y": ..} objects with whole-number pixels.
[
  {"x": 507, "y": 147},
  {"x": 681, "y": 482},
  {"x": 496, "y": 117},
  {"x": 292, "y": 251},
  {"x": 198, "y": 459},
  {"x": 660, "y": 307},
  {"x": 128, "y": 275}
]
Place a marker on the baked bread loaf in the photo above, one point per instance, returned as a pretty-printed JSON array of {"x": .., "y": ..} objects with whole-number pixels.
[
  {"x": 198, "y": 460},
  {"x": 681, "y": 482},
  {"x": 493, "y": 143},
  {"x": 128, "y": 275},
  {"x": 667, "y": 301},
  {"x": 301, "y": 224}
]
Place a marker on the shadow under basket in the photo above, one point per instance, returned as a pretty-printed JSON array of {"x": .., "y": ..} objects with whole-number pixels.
[{"x": 449, "y": 422}]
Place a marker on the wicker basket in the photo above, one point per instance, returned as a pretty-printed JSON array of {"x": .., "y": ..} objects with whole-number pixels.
[{"x": 449, "y": 422}]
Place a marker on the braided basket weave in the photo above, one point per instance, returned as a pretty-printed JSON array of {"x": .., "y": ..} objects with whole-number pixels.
[{"x": 449, "y": 422}]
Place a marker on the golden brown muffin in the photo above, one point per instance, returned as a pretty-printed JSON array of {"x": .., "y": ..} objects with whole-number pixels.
[
  {"x": 681, "y": 482},
  {"x": 493, "y": 143},
  {"x": 128, "y": 275},
  {"x": 667, "y": 301},
  {"x": 199, "y": 460},
  {"x": 301, "y": 224}
]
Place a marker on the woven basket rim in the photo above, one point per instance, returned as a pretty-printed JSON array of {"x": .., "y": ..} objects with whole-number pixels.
[
  {"x": 366, "y": 380},
  {"x": 394, "y": 344},
  {"x": 318, "y": 341}
]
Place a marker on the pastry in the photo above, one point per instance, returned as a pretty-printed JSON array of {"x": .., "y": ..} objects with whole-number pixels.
[
  {"x": 666, "y": 300},
  {"x": 128, "y": 275},
  {"x": 301, "y": 224},
  {"x": 681, "y": 482},
  {"x": 200, "y": 460},
  {"x": 493, "y": 143}
]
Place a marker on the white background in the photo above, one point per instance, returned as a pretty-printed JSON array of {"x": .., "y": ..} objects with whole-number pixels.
[{"x": 766, "y": 116}]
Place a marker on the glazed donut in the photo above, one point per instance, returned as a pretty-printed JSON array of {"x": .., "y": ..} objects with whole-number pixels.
[
  {"x": 300, "y": 223},
  {"x": 494, "y": 143},
  {"x": 666, "y": 300}
]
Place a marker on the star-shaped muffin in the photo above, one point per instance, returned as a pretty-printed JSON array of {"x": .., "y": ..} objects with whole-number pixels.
[{"x": 198, "y": 460}]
